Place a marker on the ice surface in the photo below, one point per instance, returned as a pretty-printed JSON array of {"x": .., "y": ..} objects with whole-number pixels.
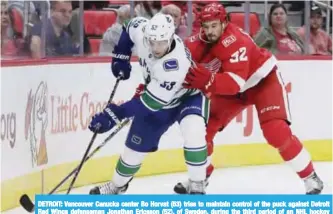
[{"x": 269, "y": 179}]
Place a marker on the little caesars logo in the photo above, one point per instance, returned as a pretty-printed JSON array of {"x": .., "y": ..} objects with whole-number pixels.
[{"x": 36, "y": 124}]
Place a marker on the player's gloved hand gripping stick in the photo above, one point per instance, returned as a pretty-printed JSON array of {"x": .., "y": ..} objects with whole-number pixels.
[
  {"x": 93, "y": 137},
  {"x": 121, "y": 69},
  {"x": 25, "y": 200}
]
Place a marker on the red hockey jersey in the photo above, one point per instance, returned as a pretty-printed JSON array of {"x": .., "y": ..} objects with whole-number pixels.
[{"x": 240, "y": 62}]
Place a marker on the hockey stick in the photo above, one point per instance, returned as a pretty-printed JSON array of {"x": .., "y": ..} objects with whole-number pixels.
[
  {"x": 91, "y": 141},
  {"x": 25, "y": 200}
]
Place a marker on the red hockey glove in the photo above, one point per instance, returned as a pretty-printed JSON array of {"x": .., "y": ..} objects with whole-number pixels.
[
  {"x": 200, "y": 78},
  {"x": 139, "y": 90}
]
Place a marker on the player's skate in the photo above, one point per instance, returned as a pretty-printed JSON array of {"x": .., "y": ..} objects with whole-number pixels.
[
  {"x": 182, "y": 187},
  {"x": 196, "y": 187},
  {"x": 313, "y": 184},
  {"x": 108, "y": 189}
]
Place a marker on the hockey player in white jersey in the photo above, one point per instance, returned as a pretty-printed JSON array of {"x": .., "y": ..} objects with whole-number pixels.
[{"x": 164, "y": 61}]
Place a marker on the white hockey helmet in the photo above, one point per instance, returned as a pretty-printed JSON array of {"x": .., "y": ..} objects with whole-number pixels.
[{"x": 160, "y": 28}]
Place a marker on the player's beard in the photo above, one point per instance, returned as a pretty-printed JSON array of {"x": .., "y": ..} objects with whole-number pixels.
[{"x": 212, "y": 38}]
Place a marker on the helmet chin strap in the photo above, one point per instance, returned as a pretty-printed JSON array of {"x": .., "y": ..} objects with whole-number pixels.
[
  {"x": 170, "y": 42},
  {"x": 202, "y": 39}
]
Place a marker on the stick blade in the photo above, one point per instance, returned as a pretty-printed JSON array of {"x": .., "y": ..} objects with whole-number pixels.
[{"x": 26, "y": 203}]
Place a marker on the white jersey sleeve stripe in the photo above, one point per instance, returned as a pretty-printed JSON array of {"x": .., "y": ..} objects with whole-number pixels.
[{"x": 239, "y": 80}]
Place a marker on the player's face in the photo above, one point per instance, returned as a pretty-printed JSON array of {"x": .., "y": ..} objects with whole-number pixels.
[
  {"x": 158, "y": 48},
  {"x": 213, "y": 30}
]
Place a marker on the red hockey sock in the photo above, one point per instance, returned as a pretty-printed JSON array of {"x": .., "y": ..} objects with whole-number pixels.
[
  {"x": 209, "y": 170},
  {"x": 297, "y": 157},
  {"x": 210, "y": 150},
  {"x": 278, "y": 135}
]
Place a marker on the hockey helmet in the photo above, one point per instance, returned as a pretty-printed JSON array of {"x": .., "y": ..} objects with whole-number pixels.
[
  {"x": 160, "y": 27},
  {"x": 213, "y": 11},
  {"x": 159, "y": 33}
]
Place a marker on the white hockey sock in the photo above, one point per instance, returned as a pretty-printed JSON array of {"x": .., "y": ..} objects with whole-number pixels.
[
  {"x": 128, "y": 164},
  {"x": 195, "y": 149}
]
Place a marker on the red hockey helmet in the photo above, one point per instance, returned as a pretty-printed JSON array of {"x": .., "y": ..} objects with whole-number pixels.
[{"x": 213, "y": 11}]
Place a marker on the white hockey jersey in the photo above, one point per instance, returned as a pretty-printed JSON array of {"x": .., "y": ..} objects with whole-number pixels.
[{"x": 164, "y": 77}]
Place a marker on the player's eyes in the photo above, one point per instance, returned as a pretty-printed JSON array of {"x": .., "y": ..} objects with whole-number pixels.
[{"x": 157, "y": 43}]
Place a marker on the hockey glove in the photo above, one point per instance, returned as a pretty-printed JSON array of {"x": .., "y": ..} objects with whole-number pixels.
[
  {"x": 106, "y": 120},
  {"x": 199, "y": 78},
  {"x": 121, "y": 68}
]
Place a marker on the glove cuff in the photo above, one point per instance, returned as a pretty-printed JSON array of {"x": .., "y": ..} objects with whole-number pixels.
[
  {"x": 120, "y": 57},
  {"x": 114, "y": 112},
  {"x": 112, "y": 115}
]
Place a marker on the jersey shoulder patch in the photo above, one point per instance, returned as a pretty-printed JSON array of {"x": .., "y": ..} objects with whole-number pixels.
[
  {"x": 228, "y": 40},
  {"x": 171, "y": 65}
]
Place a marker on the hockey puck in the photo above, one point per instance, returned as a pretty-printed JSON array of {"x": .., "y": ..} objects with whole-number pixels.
[{"x": 27, "y": 203}]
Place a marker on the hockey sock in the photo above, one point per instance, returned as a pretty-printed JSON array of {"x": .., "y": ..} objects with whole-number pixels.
[
  {"x": 196, "y": 160},
  {"x": 297, "y": 157},
  {"x": 195, "y": 148},
  {"x": 210, "y": 166},
  {"x": 128, "y": 164},
  {"x": 209, "y": 169},
  {"x": 279, "y": 135}
]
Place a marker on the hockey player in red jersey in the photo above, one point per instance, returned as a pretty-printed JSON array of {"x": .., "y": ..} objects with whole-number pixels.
[{"x": 235, "y": 73}]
